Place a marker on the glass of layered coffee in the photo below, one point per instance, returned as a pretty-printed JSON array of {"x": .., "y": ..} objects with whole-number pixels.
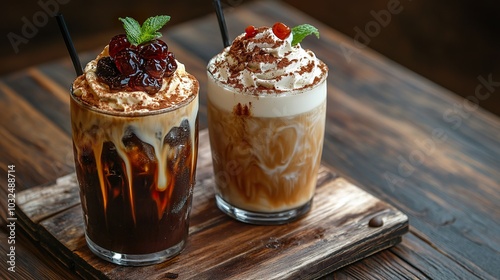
[
  {"x": 266, "y": 112},
  {"x": 135, "y": 142}
]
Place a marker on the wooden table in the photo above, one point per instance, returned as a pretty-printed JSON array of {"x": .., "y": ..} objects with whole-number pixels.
[{"x": 407, "y": 141}]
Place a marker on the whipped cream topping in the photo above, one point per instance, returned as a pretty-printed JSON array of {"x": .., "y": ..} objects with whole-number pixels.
[
  {"x": 265, "y": 64},
  {"x": 176, "y": 89}
]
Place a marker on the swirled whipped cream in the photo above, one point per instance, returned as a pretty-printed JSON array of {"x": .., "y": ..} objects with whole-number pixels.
[
  {"x": 176, "y": 89},
  {"x": 264, "y": 64}
]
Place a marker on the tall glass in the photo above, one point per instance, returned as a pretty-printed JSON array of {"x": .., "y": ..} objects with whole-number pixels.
[
  {"x": 136, "y": 175},
  {"x": 266, "y": 150}
]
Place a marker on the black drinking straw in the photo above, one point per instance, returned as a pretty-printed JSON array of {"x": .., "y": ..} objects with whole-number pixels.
[
  {"x": 222, "y": 23},
  {"x": 69, "y": 44}
]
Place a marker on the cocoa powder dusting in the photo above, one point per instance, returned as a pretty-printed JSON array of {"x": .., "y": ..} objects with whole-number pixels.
[
  {"x": 283, "y": 63},
  {"x": 307, "y": 68},
  {"x": 251, "y": 53}
]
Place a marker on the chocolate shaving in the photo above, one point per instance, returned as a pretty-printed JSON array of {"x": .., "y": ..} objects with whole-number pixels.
[{"x": 242, "y": 110}]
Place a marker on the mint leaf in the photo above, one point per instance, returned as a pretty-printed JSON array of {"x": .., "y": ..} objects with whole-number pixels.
[
  {"x": 133, "y": 30},
  {"x": 154, "y": 24},
  {"x": 137, "y": 34},
  {"x": 151, "y": 26},
  {"x": 301, "y": 31}
]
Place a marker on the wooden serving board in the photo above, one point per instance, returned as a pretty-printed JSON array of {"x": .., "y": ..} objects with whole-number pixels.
[{"x": 333, "y": 234}]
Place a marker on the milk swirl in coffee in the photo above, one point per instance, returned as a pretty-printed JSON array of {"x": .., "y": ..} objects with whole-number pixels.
[{"x": 266, "y": 108}]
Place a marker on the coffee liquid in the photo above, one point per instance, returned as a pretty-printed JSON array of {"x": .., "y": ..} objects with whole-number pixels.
[{"x": 136, "y": 177}]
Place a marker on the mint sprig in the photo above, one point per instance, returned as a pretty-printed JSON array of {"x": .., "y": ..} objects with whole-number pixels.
[
  {"x": 137, "y": 34},
  {"x": 301, "y": 31}
]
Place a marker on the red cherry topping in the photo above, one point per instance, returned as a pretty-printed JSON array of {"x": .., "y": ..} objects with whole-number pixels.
[
  {"x": 156, "y": 67},
  {"x": 118, "y": 43},
  {"x": 128, "y": 62},
  {"x": 153, "y": 49},
  {"x": 250, "y": 31},
  {"x": 281, "y": 30},
  {"x": 171, "y": 64},
  {"x": 143, "y": 81},
  {"x": 132, "y": 67},
  {"x": 107, "y": 72}
]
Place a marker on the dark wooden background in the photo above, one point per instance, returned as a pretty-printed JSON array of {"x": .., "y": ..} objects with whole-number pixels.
[{"x": 450, "y": 42}]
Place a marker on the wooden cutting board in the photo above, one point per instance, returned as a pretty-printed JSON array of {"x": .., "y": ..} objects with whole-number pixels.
[{"x": 335, "y": 233}]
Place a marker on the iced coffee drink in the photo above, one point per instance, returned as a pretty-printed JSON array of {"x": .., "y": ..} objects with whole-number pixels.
[
  {"x": 134, "y": 125},
  {"x": 266, "y": 110}
]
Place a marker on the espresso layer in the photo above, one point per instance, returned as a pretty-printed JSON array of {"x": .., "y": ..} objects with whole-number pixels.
[{"x": 136, "y": 176}]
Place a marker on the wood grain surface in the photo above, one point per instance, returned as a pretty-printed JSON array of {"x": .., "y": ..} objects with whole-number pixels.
[
  {"x": 401, "y": 138},
  {"x": 336, "y": 232}
]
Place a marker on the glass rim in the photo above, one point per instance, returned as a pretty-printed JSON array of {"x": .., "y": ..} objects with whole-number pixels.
[{"x": 177, "y": 106}]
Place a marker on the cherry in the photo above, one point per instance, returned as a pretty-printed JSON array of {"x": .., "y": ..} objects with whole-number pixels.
[
  {"x": 281, "y": 30},
  {"x": 118, "y": 43},
  {"x": 171, "y": 65},
  {"x": 133, "y": 67},
  {"x": 118, "y": 82},
  {"x": 106, "y": 68},
  {"x": 156, "y": 67},
  {"x": 143, "y": 81},
  {"x": 107, "y": 72},
  {"x": 128, "y": 61},
  {"x": 250, "y": 31},
  {"x": 154, "y": 49}
]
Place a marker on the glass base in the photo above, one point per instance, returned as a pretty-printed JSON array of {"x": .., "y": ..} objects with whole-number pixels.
[
  {"x": 261, "y": 218},
  {"x": 134, "y": 260}
]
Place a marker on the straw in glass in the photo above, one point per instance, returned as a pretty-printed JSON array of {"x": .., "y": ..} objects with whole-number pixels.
[
  {"x": 69, "y": 44},
  {"x": 222, "y": 22}
]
